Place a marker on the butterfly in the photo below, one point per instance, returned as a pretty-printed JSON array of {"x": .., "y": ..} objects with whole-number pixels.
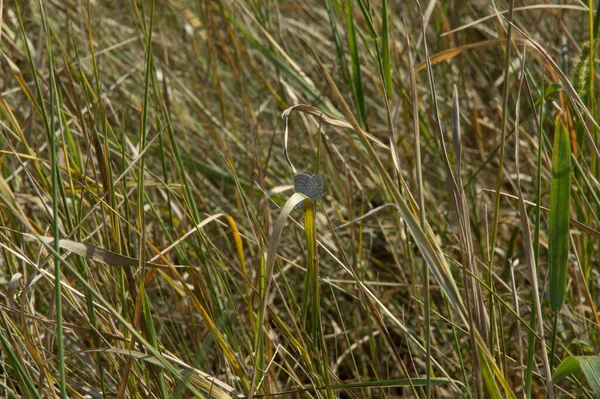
[{"x": 311, "y": 186}]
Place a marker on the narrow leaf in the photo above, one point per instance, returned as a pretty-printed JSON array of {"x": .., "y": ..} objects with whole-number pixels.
[
  {"x": 385, "y": 50},
  {"x": 366, "y": 12},
  {"x": 359, "y": 97},
  {"x": 560, "y": 198},
  {"x": 589, "y": 365}
]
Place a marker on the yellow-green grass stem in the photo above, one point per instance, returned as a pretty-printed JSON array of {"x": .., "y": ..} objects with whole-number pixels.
[{"x": 312, "y": 281}]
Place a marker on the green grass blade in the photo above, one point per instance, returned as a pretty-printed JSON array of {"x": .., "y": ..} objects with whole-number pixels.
[
  {"x": 337, "y": 40},
  {"x": 589, "y": 366},
  {"x": 385, "y": 49},
  {"x": 366, "y": 12},
  {"x": 488, "y": 379},
  {"x": 560, "y": 200},
  {"x": 357, "y": 86},
  {"x": 493, "y": 377}
]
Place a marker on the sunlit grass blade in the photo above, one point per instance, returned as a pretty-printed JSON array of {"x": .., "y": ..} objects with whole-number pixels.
[
  {"x": 152, "y": 338},
  {"x": 402, "y": 382},
  {"x": 493, "y": 391}
]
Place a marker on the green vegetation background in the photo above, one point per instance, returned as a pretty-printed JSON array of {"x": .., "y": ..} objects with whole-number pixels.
[{"x": 150, "y": 241}]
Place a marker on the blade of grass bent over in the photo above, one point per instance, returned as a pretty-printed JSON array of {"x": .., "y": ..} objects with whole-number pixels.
[{"x": 289, "y": 206}]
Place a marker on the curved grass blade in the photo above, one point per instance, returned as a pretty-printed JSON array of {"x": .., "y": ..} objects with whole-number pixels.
[
  {"x": 289, "y": 206},
  {"x": 218, "y": 389}
]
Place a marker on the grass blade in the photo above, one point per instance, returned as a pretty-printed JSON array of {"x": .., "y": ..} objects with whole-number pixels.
[
  {"x": 560, "y": 212},
  {"x": 357, "y": 88},
  {"x": 589, "y": 366},
  {"x": 385, "y": 49}
]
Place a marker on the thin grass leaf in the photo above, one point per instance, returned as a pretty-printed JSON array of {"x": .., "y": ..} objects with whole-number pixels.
[
  {"x": 493, "y": 390},
  {"x": 366, "y": 12},
  {"x": 385, "y": 49},
  {"x": 337, "y": 40},
  {"x": 152, "y": 338},
  {"x": 205, "y": 381},
  {"x": 357, "y": 87},
  {"x": 531, "y": 262},
  {"x": 401, "y": 382}
]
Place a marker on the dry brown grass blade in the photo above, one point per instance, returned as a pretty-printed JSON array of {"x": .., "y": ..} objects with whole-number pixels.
[
  {"x": 477, "y": 315},
  {"x": 95, "y": 253},
  {"x": 447, "y": 55}
]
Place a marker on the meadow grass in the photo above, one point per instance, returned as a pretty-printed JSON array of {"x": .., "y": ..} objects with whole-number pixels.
[{"x": 152, "y": 246}]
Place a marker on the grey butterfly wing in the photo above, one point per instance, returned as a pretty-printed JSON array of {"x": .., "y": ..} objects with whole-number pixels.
[
  {"x": 311, "y": 186},
  {"x": 302, "y": 184},
  {"x": 317, "y": 186}
]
